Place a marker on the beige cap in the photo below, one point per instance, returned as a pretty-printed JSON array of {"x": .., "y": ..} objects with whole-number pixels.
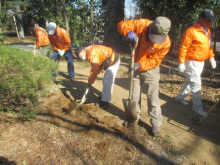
[{"x": 160, "y": 27}]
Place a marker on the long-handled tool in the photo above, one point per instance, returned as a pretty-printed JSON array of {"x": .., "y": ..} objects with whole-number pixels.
[
  {"x": 84, "y": 96},
  {"x": 130, "y": 106},
  {"x": 199, "y": 120}
]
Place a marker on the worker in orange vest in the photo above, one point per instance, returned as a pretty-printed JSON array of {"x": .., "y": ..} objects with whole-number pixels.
[
  {"x": 152, "y": 45},
  {"x": 42, "y": 40},
  {"x": 194, "y": 50},
  {"x": 101, "y": 58},
  {"x": 61, "y": 43}
]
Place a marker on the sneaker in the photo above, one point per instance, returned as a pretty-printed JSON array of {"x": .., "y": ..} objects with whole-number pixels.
[
  {"x": 72, "y": 79},
  {"x": 101, "y": 104},
  {"x": 155, "y": 131},
  {"x": 184, "y": 102},
  {"x": 200, "y": 112}
]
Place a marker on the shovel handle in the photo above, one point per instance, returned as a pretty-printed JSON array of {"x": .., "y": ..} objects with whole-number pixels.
[{"x": 132, "y": 69}]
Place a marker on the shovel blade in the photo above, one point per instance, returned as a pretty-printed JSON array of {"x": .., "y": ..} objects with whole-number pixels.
[{"x": 130, "y": 109}]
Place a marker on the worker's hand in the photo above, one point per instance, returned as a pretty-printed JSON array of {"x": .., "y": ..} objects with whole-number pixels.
[
  {"x": 132, "y": 38},
  {"x": 136, "y": 66},
  {"x": 182, "y": 67},
  {"x": 213, "y": 62},
  {"x": 61, "y": 52}
]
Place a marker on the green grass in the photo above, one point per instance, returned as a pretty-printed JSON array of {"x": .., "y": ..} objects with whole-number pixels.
[{"x": 24, "y": 79}]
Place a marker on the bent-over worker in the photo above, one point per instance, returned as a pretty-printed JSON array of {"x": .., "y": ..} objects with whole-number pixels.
[
  {"x": 42, "y": 40},
  {"x": 102, "y": 58}
]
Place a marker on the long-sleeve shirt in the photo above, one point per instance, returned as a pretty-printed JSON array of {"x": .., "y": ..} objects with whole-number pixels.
[
  {"x": 60, "y": 39},
  {"x": 196, "y": 44},
  {"x": 148, "y": 54},
  {"x": 96, "y": 55},
  {"x": 41, "y": 37}
]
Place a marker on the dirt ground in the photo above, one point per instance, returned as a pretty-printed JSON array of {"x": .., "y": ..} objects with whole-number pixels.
[{"x": 64, "y": 134}]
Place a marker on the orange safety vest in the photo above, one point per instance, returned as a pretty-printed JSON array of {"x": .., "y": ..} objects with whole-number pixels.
[
  {"x": 148, "y": 54},
  {"x": 96, "y": 55},
  {"x": 60, "y": 39},
  {"x": 41, "y": 37},
  {"x": 195, "y": 45}
]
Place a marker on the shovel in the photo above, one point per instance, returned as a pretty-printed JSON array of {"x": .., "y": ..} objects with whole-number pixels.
[
  {"x": 130, "y": 106},
  {"x": 84, "y": 97}
]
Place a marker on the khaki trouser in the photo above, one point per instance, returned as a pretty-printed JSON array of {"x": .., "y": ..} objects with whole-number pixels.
[
  {"x": 47, "y": 51},
  {"x": 149, "y": 81}
]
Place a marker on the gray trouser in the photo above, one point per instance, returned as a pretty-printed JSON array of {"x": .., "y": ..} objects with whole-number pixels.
[
  {"x": 47, "y": 51},
  {"x": 149, "y": 81}
]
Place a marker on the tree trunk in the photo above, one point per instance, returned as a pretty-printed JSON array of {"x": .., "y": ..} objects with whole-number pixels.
[
  {"x": 92, "y": 27},
  {"x": 114, "y": 14},
  {"x": 65, "y": 17},
  {"x": 19, "y": 21}
]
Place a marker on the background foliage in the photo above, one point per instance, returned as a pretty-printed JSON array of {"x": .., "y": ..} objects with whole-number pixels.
[{"x": 182, "y": 13}]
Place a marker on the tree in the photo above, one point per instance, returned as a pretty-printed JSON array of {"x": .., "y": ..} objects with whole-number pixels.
[
  {"x": 91, "y": 17},
  {"x": 65, "y": 16},
  {"x": 19, "y": 20},
  {"x": 114, "y": 14}
]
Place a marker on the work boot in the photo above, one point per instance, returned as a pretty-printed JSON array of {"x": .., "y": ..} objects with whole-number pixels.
[
  {"x": 200, "y": 112},
  {"x": 184, "y": 102},
  {"x": 155, "y": 130},
  {"x": 101, "y": 104}
]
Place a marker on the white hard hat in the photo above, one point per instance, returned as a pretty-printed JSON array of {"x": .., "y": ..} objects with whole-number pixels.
[{"x": 51, "y": 28}]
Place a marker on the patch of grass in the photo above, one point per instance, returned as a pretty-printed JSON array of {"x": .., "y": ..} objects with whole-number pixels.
[
  {"x": 125, "y": 74},
  {"x": 166, "y": 139},
  {"x": 24, "y": 79},
  {"x": 26, "y": 114}
]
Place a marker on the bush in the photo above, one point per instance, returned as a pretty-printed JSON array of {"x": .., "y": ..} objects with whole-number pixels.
[{"x": 24, "y": 78}]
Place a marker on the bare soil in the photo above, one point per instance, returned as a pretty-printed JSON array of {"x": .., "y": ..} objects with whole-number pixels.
[{"x": 64, "y": 134}]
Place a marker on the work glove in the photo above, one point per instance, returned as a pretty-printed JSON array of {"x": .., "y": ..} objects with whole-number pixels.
[
  {"x": 61, "y": 52},
  {"x": 213, "y": 62},
  {"x": 132, "y": 38},
  {"x": 181, "y": 67},
  {"x": 136, "y": 66}
]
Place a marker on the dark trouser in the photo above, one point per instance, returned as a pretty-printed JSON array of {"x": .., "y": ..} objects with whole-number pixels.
[{"x": 69, "y": 58}]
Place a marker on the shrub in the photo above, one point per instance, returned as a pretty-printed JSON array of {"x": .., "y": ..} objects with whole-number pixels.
[{"x": 24, "y": 78}]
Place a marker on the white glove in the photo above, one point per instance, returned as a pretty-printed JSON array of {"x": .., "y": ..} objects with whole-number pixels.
[
  {"x": 182, "y": 67},
  {"x": 213, "y": 62},
  {"x": 61, "y": 52}
]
